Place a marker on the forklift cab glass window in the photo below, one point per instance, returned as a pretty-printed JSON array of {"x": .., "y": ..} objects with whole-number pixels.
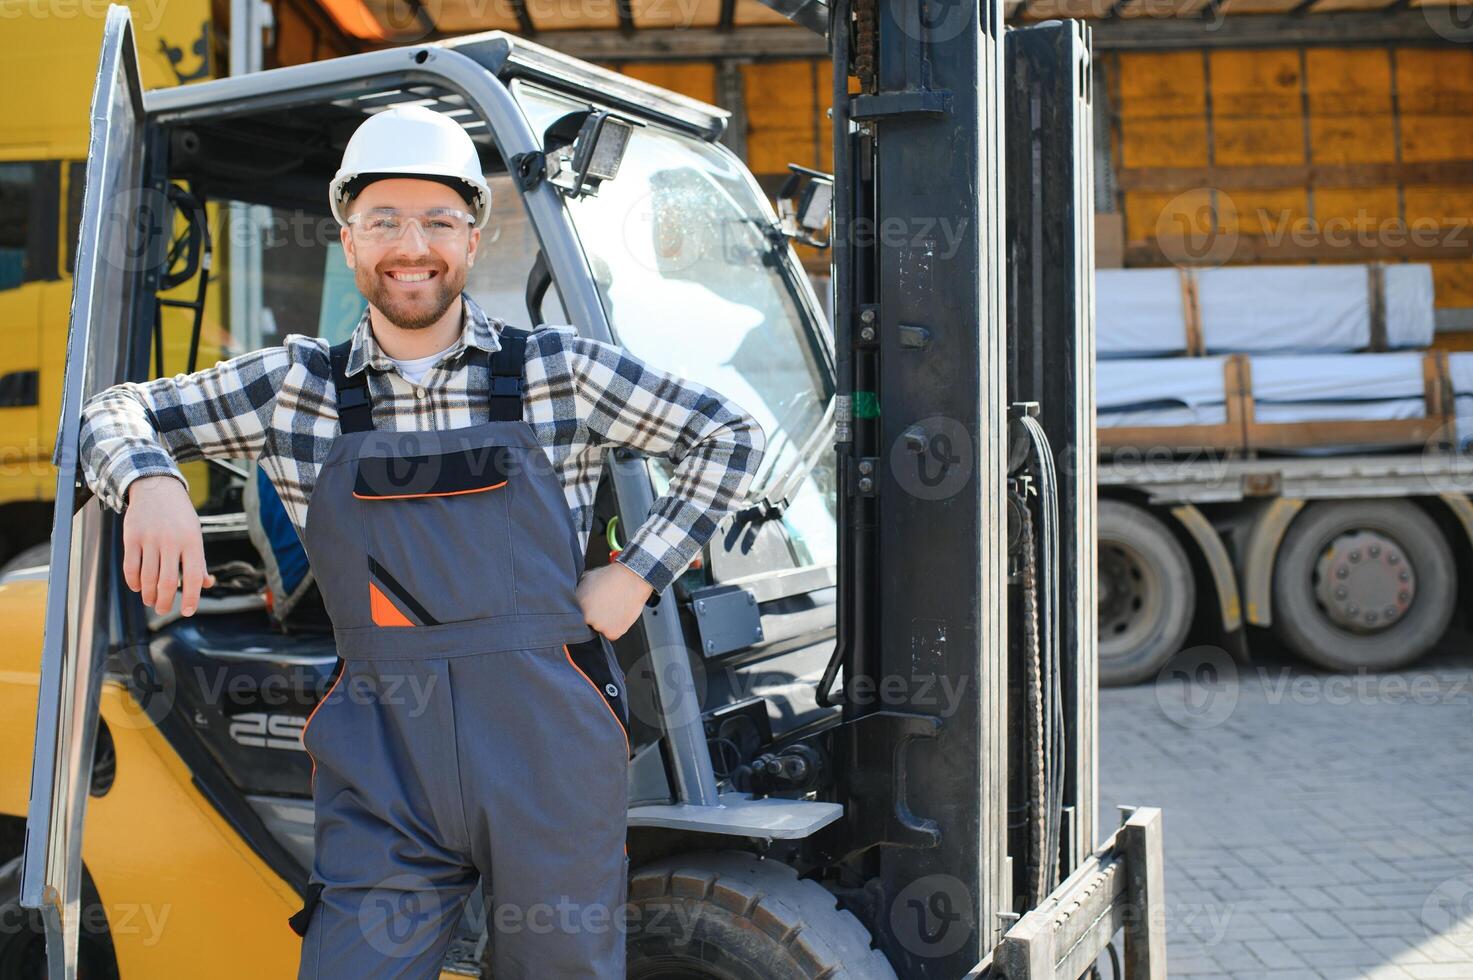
[
  {"x": 692, "y": 281},
  {"x": 498, "y": 280}
]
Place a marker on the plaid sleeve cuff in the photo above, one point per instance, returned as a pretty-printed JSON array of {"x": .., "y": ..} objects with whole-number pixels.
[
  {"x": 113, "y": 483},
  {"x": 659, "y": 552}
]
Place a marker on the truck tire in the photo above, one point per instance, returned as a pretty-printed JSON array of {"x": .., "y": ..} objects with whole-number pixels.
[
  {"x": 733, "y": 916},
  {"x": 1363, "y": 584},
  {"x": 1147, "y": 593},
  {"x": 23, "y": 939}
]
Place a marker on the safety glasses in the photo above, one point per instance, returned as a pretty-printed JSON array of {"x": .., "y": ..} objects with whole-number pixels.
[{"x": 380, "y": 226}]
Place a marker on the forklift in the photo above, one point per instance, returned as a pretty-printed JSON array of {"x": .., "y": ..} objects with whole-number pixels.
[{"x": 863, "y": 724}]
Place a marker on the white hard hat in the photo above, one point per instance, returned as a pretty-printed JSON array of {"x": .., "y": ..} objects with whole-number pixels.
[{"x": 412, "y": 141}]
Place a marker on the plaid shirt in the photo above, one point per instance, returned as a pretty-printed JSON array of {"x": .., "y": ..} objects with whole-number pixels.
[{"x": 278, "y": 405}]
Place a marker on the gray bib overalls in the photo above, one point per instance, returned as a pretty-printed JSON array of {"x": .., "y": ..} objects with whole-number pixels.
[{"x": 476, "y": 727}]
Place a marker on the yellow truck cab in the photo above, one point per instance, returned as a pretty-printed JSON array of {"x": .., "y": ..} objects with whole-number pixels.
[{"x": 43, "y": 151}]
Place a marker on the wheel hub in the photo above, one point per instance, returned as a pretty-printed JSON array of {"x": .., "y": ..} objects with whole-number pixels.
[
  {"x": 1126, "y": 597},
  {"x": 1364, "y": 582}
]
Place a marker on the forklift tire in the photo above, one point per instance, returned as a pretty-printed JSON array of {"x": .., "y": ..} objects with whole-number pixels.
[
  {"x": 1147, "y": 594},
  {"x": 733, "y": 916},
  {"x": 23, "y": 938},
  {"x": 36, "y": 554},
  {"x": 1312, "y": 619}
]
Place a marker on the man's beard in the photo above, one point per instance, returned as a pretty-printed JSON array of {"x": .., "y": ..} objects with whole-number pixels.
[{"x": 411, "y": 314}]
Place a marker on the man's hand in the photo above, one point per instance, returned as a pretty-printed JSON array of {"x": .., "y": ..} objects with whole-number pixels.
[
  {"x": 612, "y": 597},
  {"x": 160, "y": 534}
]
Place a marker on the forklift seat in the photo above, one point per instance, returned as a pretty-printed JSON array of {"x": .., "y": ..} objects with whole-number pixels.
[{"x": 292, "y": 598}]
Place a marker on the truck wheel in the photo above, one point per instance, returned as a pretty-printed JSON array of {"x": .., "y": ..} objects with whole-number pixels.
[
  {"x": 1363, "y": 584},
  {"x": 729, "y": 915},
  {"x": 1147, "y": 593},
  {"x": 23, "y": 938}
]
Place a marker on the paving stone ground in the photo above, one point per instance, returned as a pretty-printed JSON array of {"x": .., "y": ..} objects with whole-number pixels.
[{"x": 1316, "y": 825}]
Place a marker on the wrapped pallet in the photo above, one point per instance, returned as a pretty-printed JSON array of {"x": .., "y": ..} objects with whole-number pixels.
[
  {"x": 1297, "y": 309},
  {"x": 1460, "y": 374}
]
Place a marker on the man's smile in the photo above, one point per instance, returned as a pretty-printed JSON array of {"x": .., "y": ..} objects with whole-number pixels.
[{"x": 411, "y": 275}]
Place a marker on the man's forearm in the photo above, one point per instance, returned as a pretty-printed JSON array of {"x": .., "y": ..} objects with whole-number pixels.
[
  {"x": 709, "y": 483},
  {"x": 119, "y": 445},
  {"x": 146, "y": 429}
]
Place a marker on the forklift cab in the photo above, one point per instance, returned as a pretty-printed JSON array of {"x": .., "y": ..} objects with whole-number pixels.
[{"x": 615, "y": 210}]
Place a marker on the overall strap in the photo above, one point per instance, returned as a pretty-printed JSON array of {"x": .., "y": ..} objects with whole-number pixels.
[
  {"x": 355, "y": 409},
  {"x": 507, "y": 367}
]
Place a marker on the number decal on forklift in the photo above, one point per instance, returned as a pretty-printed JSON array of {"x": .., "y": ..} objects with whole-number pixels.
[{"x": 261, "y": 730}]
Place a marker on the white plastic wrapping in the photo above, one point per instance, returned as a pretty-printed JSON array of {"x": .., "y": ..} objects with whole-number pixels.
[
  {"x": 1265, "y": 309},
  {"x": 1460, "y": 370},
  {"x": 1350, "y": 379},
  {"x": 1300, "y": 388},
  {"x": 1146, "y": 391},
  {"x": 1138, "y": 313}
]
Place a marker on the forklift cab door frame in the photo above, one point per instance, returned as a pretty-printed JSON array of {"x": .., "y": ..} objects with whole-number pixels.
[{"x": 77, "y": 616}]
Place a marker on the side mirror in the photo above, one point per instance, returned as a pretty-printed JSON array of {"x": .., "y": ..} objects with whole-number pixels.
[{"x": 805, "y": 203}]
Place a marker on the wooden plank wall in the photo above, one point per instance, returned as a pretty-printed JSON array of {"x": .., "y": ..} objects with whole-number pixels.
[
  {"x": 1298, "y": 155},
  {"x": 1290, "y": 154}
]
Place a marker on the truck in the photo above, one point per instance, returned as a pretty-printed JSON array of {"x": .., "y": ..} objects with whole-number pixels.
[
  {"x": 1292, "y": 458},
  {"x": 863, "y": 724},
  {"x": 1210, "y": 548},
  {"x": 43, "y": 150}
]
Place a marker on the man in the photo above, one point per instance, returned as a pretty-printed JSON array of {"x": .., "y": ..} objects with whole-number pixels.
[{"x": 440, "y": 469}]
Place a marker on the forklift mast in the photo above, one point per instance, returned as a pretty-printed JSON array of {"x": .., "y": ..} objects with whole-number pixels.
[{"x": 963, "y": 269}]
